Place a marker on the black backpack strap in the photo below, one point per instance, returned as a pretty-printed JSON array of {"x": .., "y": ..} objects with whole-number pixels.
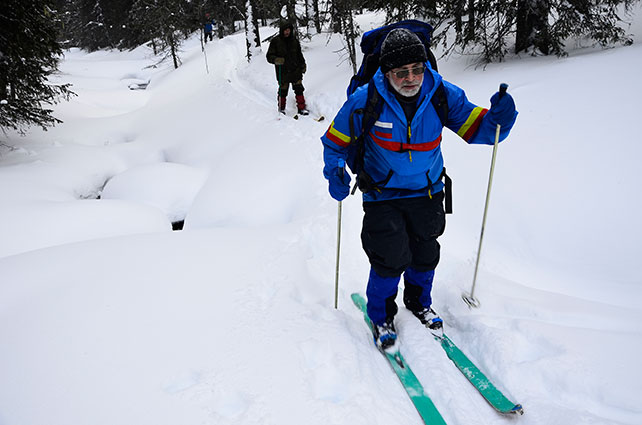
[
  {"x": 432, "y": 60},
  {"x": 448, "y": 193},
  {"x": 371, "y": 112},
  {"x": 440, "y": 103},
  {"x": 448, "y": 190}
]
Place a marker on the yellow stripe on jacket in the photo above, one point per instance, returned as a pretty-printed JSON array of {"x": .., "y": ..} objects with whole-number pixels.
[
  {"x": 471, "y": 125},
  {"x": 337, "y": 137}
]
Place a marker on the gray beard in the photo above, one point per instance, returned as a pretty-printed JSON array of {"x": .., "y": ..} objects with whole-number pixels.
[{"x": 404, "y": 91}]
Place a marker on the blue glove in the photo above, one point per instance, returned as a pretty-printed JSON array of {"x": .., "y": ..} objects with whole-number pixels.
[
  {"x": 502, "y": 110},
  {"x": 339, "y": 186}
]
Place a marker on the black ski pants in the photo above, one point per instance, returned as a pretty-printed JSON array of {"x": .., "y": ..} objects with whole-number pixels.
[
  {"x": 297, "y": 86},
  {"x": 402, "y": 233}
]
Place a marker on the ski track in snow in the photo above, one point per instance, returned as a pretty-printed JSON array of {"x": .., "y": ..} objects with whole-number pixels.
[{"x": 231, "y": 320}]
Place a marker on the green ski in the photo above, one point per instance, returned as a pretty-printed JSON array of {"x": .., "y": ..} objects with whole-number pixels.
[
  {"x": 411, "y": 384},
  {"x": 486, "y": 388}
]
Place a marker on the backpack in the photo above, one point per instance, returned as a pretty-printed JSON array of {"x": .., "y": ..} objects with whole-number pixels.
[
  {"x": 371, "y": 42},
  {"x": 371, "y": 48}
]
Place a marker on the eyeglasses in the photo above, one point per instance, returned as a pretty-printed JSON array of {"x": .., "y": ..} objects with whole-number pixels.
[{"x": 405, "y": 72}]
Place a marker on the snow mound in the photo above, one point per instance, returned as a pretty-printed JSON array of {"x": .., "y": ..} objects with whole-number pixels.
[{"x": 169, "y": 187}]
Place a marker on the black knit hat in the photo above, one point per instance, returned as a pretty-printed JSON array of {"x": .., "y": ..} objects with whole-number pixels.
[
  {"x": 399, "y": 48},
  {"x": 285, "y": 25}
]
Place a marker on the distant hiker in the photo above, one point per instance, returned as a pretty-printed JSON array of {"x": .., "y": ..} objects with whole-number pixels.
[
  {"x": 285, "y": 53},
  {"x": 209, "y": 27},
  {"x": 402, "y": 172}
]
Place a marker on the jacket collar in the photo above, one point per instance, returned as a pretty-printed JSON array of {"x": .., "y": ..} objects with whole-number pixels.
[{"x": 428, "y": 88}]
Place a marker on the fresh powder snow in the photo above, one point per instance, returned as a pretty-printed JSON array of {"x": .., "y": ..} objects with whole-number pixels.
[{"x": 107, "y": 316}]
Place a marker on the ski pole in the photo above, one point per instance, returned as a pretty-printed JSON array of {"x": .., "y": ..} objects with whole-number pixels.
[
  {"x": 341, "y": 165},
  {"x": 278, "y": 93},
  {"x": 470, "y": 298},
  {"x": 207, "y": 68}
]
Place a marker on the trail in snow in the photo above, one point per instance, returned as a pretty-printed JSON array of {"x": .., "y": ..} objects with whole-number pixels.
[{"x": 109, "y": 317}]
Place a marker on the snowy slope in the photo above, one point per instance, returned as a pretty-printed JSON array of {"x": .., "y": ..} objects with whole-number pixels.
[{"x": 109, "y": 317}]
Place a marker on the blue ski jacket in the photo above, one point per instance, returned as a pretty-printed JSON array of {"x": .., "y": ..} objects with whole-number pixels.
[{"x": 407, "y": 156}]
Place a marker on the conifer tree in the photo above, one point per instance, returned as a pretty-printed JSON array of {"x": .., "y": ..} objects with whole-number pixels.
[
  {"x": 166, "y": 22},
  {"x": 29, "y": 54},
  {"x": 252, "y": 37},
  {"x": 491, "y": 29}
]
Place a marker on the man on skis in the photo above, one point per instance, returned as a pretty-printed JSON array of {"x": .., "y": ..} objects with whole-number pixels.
[
  {"x": 402, "y": 172},
  {"x": 208, "y": 28},
  {"x": 285, "y": 53}
]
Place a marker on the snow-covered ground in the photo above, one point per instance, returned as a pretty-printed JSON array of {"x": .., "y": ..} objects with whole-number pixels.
[{"x": 109, "y": 317}]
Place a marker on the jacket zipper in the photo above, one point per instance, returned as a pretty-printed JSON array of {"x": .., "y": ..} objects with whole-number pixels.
[{"x": 409, "y": 136}]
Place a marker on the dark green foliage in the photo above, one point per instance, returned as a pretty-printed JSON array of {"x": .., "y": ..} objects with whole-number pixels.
[
  {"x": 29, "y": 53},
  {"x": 124, "y": 24},
  {"x": 165, "y": 22},
  {"x": 491, "y": 29},
  {"x": 96, "y": 24},
  {"x": 397, "y": 10},
  {"x": 343, "y": 22},
  {"x": 595, "y": 20}
]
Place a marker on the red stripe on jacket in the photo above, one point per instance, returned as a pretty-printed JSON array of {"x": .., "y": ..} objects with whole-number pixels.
[
  {"x": 336, "y": 140},
  {"x": 382, "y": 134},
  {"x": 473, "y": 128},
  {"x": 403, "y": 147}
]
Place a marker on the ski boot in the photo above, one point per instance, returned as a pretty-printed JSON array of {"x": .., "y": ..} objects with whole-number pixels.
[
  {"x": 385, "y": 335},
  {"x": 430, "y": 319},
  {"x": 300, "y": 104}
]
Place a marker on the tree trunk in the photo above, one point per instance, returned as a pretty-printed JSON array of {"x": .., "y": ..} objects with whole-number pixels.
[
  {"x": 343, "y": 22},
  {"x": 532, "y": 26},
  {"x": 349, "y": 33},
  {"x": 172, "y": 47},
  {"x": 252, "y": 38},
  {"x": 458, "y": 22},
  {"x": 317, "y": 18},
  {"x": 470, "y": 27},
  {"x": 291, "y": 13},
  {"x": 255, "y": 23},
  {"x": 336, "y": 12},
  {"x": 307, "y": 17}
]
